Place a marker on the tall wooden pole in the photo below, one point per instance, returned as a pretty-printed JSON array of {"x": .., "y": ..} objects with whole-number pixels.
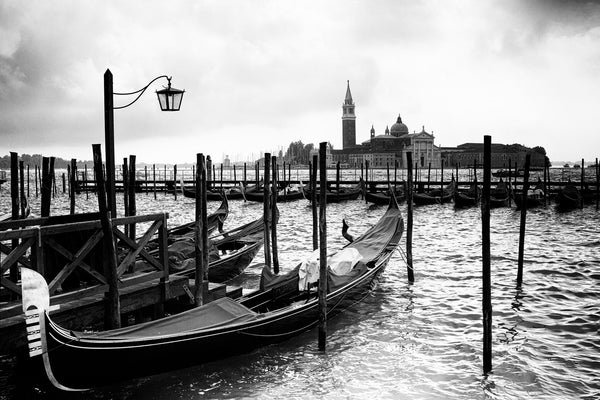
[
  {"x": 14, "y": 196},
  {"x": 85, "y": 181},
  {"x": 125, "y": 180},
  {"x": 486, "y": 258},
  {"x": 46, "y": 187},
  {"x": 175, "y": 181},
  {"x": 132, "y": 206},
  {"x": 409, "y": 217},
  {"x": 22, "y": 199},
  {"x": 72, "y": 185},
  {"x": 582, "y": 181},
  {"x": 37, "y": 174},
  {"x": 523, "y": 220},
  {"x": 200, "y": 231},
  {"x": 267, "y": 210},
  {"x": 597, "y": 185},
  {"x": 109, "y": 143},
  {"x": 313, "y": 201},
  {"x": 274, "y": 217},
  {"x": 154, "y": 179},
  {"x": 112, "y": 313},
  {"x": 323, "y": 247}
]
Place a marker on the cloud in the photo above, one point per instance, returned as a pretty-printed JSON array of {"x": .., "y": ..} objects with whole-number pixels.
[{"x": 260, "y": 75}]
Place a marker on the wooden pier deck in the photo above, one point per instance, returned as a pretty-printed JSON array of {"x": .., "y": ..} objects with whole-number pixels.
[{"x": 68, "y": 252}]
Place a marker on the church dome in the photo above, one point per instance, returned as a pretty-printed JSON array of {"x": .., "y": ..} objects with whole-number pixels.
[{"x": 399, "y": 129}]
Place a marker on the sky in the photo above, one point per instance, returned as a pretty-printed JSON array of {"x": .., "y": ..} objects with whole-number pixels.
[{"x": 259, "y": 75}]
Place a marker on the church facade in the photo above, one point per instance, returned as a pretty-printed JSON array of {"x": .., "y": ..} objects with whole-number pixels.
[{"x": 387, "y": 148}]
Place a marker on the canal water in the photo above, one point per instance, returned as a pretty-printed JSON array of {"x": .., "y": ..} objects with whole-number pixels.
[{"x": 410, "y": 341}]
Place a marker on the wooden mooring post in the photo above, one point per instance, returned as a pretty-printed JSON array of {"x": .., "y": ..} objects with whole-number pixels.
[
  {"x": 72, "y": 183},
  {"x": 322, "y": 289},
  {"x": 582, "y": 187},
  {"x": 486, "y": 258},
  {"x": 313, "y": 201},
  {"x": 131, "y": 193},
  {"x": 200, "y": 231},
  {"x": 409, "y": 217},
  {"x": 597, "y": 185},
  {"x": 125, "y": 180},
  {"x": 523, "y": 221},
  {"x": 22, "y": 198},
  {"x": 267, "y": 210},
  {"x": 175, "y": 181},
  {"x": 112, "y": 313},
  {"x": 154, "y": 179},
  {"x": 14, "y": 197},
  {"x": 46, "y": 187},
  {"x": 274, "y": 217}
]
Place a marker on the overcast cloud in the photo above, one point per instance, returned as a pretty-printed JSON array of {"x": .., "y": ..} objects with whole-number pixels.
[{"x": 261, "y": 74}]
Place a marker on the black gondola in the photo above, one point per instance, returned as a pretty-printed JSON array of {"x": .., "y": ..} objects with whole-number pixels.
[{"x": 281, "y": 309}]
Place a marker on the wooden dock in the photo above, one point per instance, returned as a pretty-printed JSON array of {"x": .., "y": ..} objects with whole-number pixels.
[{"x": 67, "y": 251}]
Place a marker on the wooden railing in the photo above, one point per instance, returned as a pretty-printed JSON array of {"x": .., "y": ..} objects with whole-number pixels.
[{"x": 68, "y": 249}]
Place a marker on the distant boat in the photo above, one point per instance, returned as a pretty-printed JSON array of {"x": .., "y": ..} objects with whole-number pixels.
[
  {"x": 567, "y": 166},
  {"x": 568, "y": 197},
  {"x": 535, "y": 196},
  {"x": 504, "y": 173},
  {"x": 499, "y": 195}
]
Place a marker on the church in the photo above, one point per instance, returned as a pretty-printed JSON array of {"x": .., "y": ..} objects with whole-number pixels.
[{"x": 385, "y": 149}]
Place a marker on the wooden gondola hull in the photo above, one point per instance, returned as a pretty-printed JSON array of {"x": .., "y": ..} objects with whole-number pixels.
[
  {"x": 228, "y": 268},
  {"x": 531, "y": 201},
  {"x": 84, "y": 364},
  {"x": 215, "y": 330},
  {"x": 462, "y": 200},
  {"x": 568, "y": 198},
  {"x": 383, "y": 198},
  {"x": 281, "y": 198},
  {"x": 497, "y": 202}
]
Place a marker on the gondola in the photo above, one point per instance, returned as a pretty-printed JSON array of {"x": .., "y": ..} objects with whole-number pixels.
[
  {"x": 504, "y": 173},
  {"x": 468, "y": 198},
  {"x": 234, "y": 193},
  {"x": 215, "y": 220},
  {"x": 230, "y": 253},
  {"x": 568, "y": 198},
  {"x": 535, "y": 196},
  {"x": 499, "y": 195},
  {"x": 384, "y": 196},
  {"x": 343, "y": 194},
  {"x": 282, "y": 308},
  {"x": 436, "y": 196},
  {"x": 283, "y": 196}
]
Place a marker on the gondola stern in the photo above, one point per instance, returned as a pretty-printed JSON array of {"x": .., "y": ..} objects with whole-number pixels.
[{"x": 36, "y": 308}]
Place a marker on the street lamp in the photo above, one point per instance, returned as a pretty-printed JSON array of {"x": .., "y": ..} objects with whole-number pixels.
[{"x": 169, "y": 99}]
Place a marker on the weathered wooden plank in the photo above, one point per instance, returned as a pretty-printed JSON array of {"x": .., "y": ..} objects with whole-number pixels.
[
  {"x": 6, "y": 250},
  {"x": 70, "y": 227},
  {"x": 16, "y": 254},
  {"x": 10, "y": 285},
  {"x": 138, "y": 218},
  {"x": 75, "y": 260},
  {"x": 143, "y": 253},
  {"x": 130, "y": 258},
  {"x": 18, "y": 234}
]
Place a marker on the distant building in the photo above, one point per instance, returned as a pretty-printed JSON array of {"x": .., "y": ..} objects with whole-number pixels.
[
  {"x": 392, "y": 146},
  {"x": 385, "y": 149},
  {"x": 468, "y": 153},
  {"x": 226, "y": 162}
]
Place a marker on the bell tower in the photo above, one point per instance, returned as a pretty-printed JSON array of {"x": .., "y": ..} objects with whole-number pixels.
[{"x": 348, "y": 121}]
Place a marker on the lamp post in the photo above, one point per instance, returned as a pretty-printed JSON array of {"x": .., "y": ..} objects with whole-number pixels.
[{"x": 169, "y": 99}]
